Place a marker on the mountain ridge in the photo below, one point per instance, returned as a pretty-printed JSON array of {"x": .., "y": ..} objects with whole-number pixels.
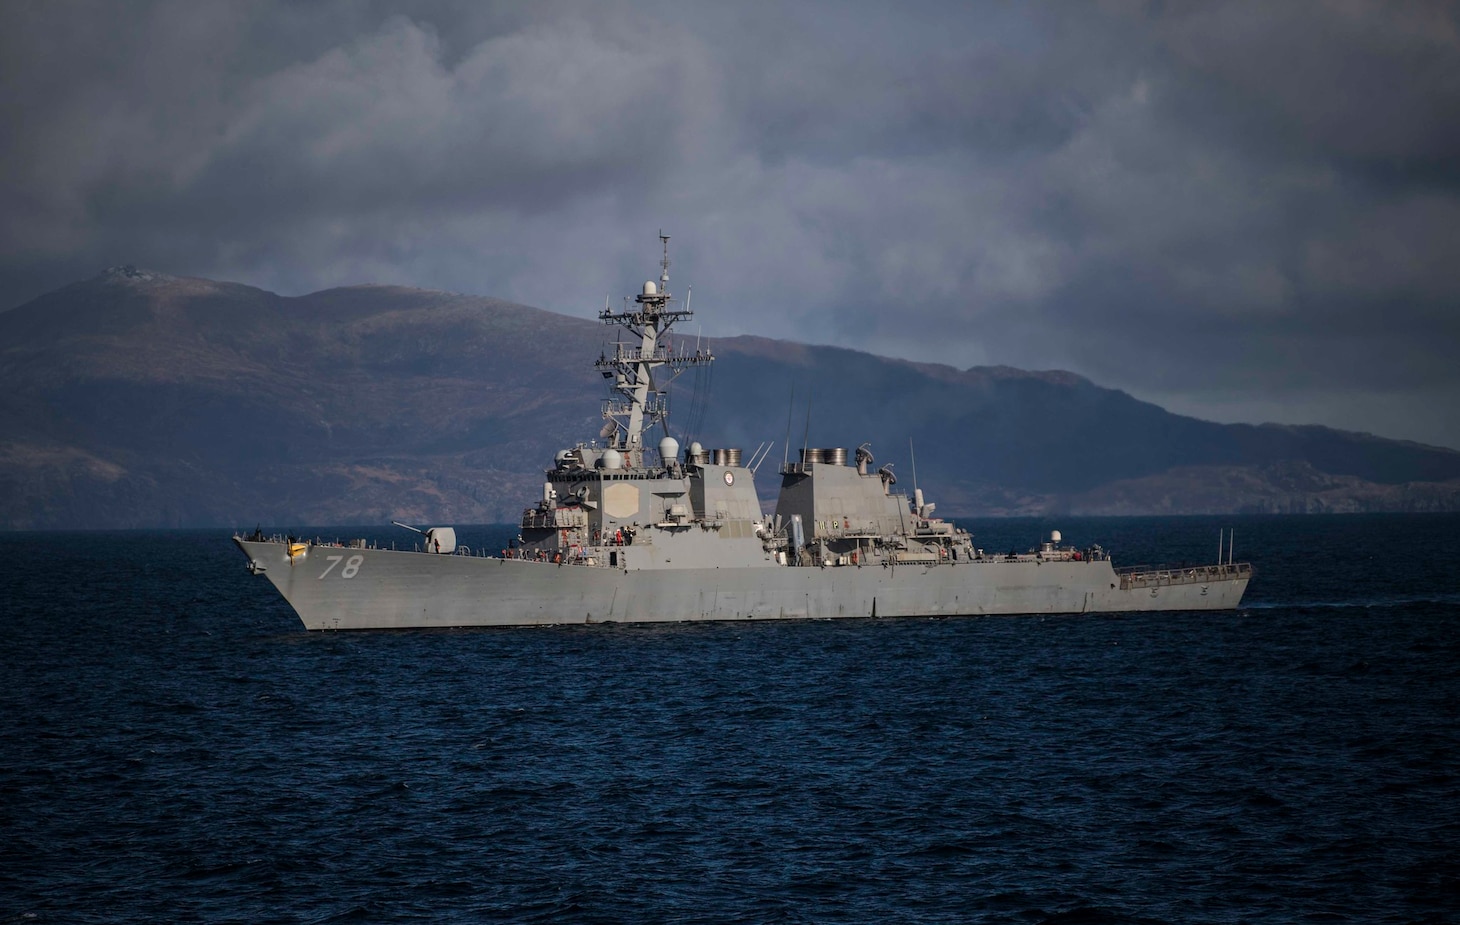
[{"x": 138, "y": 398}]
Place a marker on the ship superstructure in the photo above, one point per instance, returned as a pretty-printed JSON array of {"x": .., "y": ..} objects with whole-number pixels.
[{"x": 626, "y": 532}]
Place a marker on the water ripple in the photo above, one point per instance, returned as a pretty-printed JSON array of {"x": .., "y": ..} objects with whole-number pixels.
[{"x": 174, "y": 754}]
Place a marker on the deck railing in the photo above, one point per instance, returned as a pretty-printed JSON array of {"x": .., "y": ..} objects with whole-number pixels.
[{"x": 1145, "y": 576}]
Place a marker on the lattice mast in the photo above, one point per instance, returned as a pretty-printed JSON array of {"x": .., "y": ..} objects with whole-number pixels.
[{"x": 643, "y": 404}]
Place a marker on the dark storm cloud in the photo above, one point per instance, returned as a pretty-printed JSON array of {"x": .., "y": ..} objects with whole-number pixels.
[{"x": 1239, "y": 209}]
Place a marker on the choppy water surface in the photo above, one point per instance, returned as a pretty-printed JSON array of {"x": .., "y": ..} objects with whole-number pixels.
[{"x": 176, "y": 748}]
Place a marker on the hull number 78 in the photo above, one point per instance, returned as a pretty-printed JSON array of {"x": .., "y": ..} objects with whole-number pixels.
[{"x": 351, "y": 569}]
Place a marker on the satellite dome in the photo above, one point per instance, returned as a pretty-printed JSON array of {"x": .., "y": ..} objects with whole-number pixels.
[
  {"x": 668, "y": 449},
  {"x": 613, "y": 459},
  {"x": 650, "y": 288}
]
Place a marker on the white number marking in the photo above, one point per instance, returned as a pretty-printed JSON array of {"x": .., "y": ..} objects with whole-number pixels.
[{"x": 351, "y": 569}]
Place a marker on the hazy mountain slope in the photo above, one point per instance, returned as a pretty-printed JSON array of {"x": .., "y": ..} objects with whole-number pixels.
[
  {"x": 1049, "y": 431},
  {"x": 136, "y": 399}
]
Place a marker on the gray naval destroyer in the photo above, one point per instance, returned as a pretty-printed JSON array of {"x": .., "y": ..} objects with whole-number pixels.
[{"x": 628, "y": 533}]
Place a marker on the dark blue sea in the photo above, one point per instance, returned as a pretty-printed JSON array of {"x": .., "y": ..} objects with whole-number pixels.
[{"x": 174, "y": 747}]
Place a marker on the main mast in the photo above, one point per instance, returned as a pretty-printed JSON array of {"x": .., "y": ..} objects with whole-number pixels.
[{"x": 632, "y": 367}]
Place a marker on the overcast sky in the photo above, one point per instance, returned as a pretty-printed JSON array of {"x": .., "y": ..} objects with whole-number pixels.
[{"x": 1243, "y": 211}]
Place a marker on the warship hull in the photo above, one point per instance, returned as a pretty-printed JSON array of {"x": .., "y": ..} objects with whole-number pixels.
[
  {"x": 628, "y": 533},
  {"x": 341, "y": 588}
]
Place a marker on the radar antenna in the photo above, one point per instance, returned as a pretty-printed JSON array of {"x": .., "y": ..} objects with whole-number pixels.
[{"x": 643, "y": 403}]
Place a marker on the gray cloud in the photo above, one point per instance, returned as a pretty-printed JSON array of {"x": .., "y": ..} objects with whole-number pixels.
[{"x": 1240, "y": 210}]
